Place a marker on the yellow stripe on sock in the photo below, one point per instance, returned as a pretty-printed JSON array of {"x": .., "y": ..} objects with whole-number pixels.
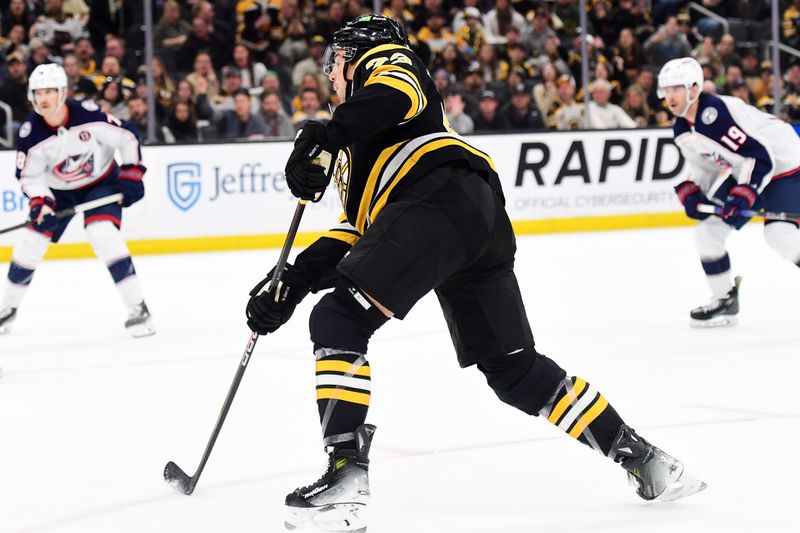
[
  {"x": 345, "y": 395},
  {"x": 342, "y": 366},
  {"x": 566, "y": 401},
  {"x": 598, "y": 407}
]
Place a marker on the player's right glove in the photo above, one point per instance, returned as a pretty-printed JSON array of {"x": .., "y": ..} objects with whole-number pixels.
[
  {"x": 740, "y": 198},
  {"x": 41, "y": 213},
  {"x": 130, "y": 184},
  {"x": 271, "y": 307},
  {"x": 306, "y": 179},
  {"x": 691, "y": 196}
]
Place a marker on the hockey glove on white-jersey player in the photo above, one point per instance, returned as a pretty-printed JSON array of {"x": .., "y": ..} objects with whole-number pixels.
[
  {"x": 306, "y": 179},
  {"x": 271, "y": 307},
  {"x": 130, "y": 184},
  {"x": 740, "y": 198},
  {"x": 690, "y": 196},
  {"x": 41, "y": 213}
]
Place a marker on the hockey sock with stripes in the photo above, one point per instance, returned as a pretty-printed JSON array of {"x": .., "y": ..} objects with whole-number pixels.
[
  {"x": 343, "y": 394},
  {"x": 28, "y": 254},
  {"x": 110, "y": 247},
  {"x": 718, "y": 274},
  {"x": 585, "y": 414}
]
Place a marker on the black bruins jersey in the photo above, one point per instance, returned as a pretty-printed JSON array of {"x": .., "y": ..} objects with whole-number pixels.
[{"x": 394, "y": 130}]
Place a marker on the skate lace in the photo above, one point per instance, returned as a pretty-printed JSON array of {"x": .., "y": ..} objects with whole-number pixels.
[{"x": 328, "y": 470}]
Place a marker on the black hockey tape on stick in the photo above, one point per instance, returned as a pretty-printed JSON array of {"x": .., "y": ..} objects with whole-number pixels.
[
  {"x": 715, "y": 210},
  {"x": 173, "y": 474},
  {"x": 80, "y": 208}
]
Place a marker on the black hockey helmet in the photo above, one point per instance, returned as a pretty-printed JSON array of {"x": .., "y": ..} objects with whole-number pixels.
[{"x": 362, "y": 34}]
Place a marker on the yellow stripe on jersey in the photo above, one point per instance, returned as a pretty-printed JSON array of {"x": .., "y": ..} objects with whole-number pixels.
[
  {"x": 411, "y": 90},
  {"x": 345, "y": 395},
  {"x": 340, "y": 235},
  {"x": 589, "y": 416},
  {"x": 412, "y": 159},
  {"x": 369, "y": 187},
  {"x": 327, "y": 365},
  {"x": 566, "y": 401}
]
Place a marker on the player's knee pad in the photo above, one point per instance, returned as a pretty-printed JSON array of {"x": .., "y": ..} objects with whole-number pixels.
[
  {"x": 344, "y": 319},
  {"x": 110, "y": 247},
  {"x": 710, "y": 236},
  {"x": 525, "y": 380},
  {"x": 28, "y": 254},
  {"x": 784, "y": 238}
]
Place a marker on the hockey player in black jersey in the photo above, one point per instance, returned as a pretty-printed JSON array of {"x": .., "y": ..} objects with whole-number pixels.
[{"x": 423, "y": 210}]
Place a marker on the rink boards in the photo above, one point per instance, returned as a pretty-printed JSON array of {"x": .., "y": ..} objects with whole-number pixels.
[{"x": 234, "y": 196}]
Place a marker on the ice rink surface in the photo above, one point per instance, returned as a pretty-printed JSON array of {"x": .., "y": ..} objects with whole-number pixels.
[{"x": 89, "y": 417}]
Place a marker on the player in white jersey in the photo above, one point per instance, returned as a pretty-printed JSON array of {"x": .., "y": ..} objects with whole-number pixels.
[
  {"x": 65, "y": 157},
  {"x": 740, "y": 158}
]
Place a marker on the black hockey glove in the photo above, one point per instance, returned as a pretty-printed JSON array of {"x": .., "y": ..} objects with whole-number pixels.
[
  {"x": 691, "y": 196},
  {"x": 271, "y": 307},
  {"x": 41, "y": 213},
  {"x": 307, "y": 179}
]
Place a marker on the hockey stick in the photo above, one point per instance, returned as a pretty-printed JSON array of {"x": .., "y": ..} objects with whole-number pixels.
[
  {"x": 715, "y": 210},
  {"x": 80, "y": 208},
  {"x": 172, "y": 472}
]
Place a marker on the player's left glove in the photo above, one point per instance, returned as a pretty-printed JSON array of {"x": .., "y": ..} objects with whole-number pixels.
[
  {"x": 271, "y": 307},
  {"x": 307, "y": 179},
  {"x": 740, "y": 198},
  {"x": 41, "y": 213},
  {"x": 691, "y": 196},
  {"x": 130, "y": 184}
]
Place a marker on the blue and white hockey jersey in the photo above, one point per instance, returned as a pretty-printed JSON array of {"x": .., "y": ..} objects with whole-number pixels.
[
  {"x": 732, "y": 138},
  {"x": 76, "y": 155}
]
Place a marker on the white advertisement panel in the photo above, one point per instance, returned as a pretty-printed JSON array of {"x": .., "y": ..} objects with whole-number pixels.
[{"x": 240, "y": 189}]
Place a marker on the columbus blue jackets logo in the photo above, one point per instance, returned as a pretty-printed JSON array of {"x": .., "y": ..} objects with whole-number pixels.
[
  {"x": 184, "y": 184},
  {"x": 75, "y": 167}
]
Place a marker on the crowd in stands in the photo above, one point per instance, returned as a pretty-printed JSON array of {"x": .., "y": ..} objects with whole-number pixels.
[{"x": 252, "y": 69}]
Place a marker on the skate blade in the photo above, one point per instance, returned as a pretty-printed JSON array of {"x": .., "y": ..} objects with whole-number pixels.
[
  {"x": 145, "y": 329},
  {"x": 722, "y": 321},
  {"x": 338, "y": 518},
  {"x": 681, "y": 488}
]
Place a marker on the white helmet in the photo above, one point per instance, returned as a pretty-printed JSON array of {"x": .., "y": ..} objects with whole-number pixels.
[
  {"x": 684, "y": 71},
  {"x": 48, "y": 76}
]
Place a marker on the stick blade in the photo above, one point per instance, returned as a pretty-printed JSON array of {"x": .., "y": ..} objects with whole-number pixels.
[{"x": 178, "y": 479}]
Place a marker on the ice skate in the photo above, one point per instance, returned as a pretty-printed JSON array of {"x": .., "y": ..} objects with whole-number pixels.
[
  {"x": 655, "y": 474},
  {"x": 718, "y": 313},
  {"x": 140, "y": 322},
  {"x": 7, "y": 317},
  {"x": 337, "y": 501}
]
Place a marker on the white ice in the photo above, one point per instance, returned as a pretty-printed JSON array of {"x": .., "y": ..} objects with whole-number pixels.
[{"x": 89, "y": 417}]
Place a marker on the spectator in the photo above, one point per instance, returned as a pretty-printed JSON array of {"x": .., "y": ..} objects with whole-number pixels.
[
  {"x": 628, "y": 55},
  {"x": 517, "y": 60},
  {"x": 451, "y": 60},
  {"x": 556, "y": 54},
  {"x": 220, "y": 29},
  {"x": 709, "y": 87},
  {"x": 646, "y": 82},
  {"x": 545, "y": 94},
  {"x": 84, "y": 51},
  {"x": 39, "y": 54},
  {"x": 251, "y": 71},
  {"x": 17, "y": 13},
  {"x": 460, "y": 18},
  {"x": 115, "y": 47},
  {"x": 111, "y": 70},
  {"x": 171, "y": 31},
  {"x": 750, "y": 65},
  {"x": 269, "y": 82},
  {"x": 471, "y": 35},
  {"x": 14, "y": 89},
  {"x": 312, "y": 64},
  {"x": 163, "y": 84},
  {"x": 277, "y": 122},
  {"x": 500, "y": 19},
  {"x": 733, "y": 73},
  {"x": 398, "y": 10},
  {"x": 471, "y": 88},
  {"x": 635, "y": 106},
  {"x": 727, "y": 51},
  {"x": 790, "y": 25},
  {"x": 488, "y": 119},
  {"x": 489, "y": 64},
  {"x": 435, "y": 33},
  {"x": 181, "y": 124},
  {"x": 57, "y": 30},
  {"x": 602, "y": 21},
  {"x": 254, "y": 23},
  {"x": 14, "y": 42},
  {"x": 567, "y": 14},
  {"x": 231, "y": 84},
  {"x": 740, "y": 89},
  {"x": 569, "y": 115},
  {"x": 536, "y": 35},
  {"x": 443, "y": 81},
  {"x": 521, "y": 113},
  {"x": 310, "y": 109},
  {"x": 137, "y": 111},
  {"x": 667, "y": 43},
  {"x": 199, "y": 39},
  {"x": 604, "y": 115},
  {"x": 204, "y": 75},
  {"x": 311, "y": 81},
  {"x": 111, "y": 92},
  {"x": 632, "y": 14},
  {"x": 240, "y": 122},
  {"x": 458, "y": 119},
  {"x": 295, "y": 47},
  {"x": 78, "y": 87},
  {"x": 184, "y": 92},
  {"x": 334, "y": 20},
  {"x": 602, "y": 71}
]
